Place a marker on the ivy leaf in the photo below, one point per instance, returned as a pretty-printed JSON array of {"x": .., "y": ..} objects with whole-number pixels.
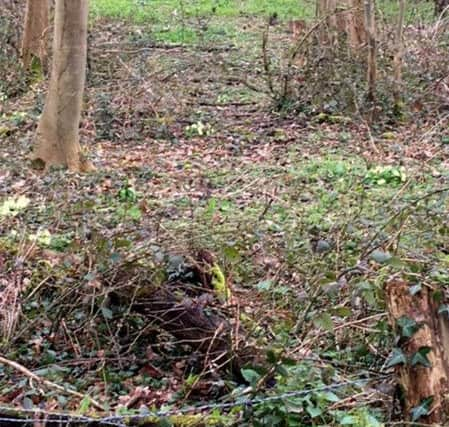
[
  {"x": 324, "y": 321},
  {"x": 272, "y": 356},
  {"x": 107, "y": 313},
  {"x": 330, "y": 397},
  {"x": 380, "y": 257},
  {"x": 251, "y": 376},
  {"x": 397, "y": 358},
  {"x": 422, "y": 409},
  {"x": 348, "y": 420},
  {"x": 408, "y": 326},
  {"x": 282, "y": 370},
  {"x": 420, "y": 357},
  {"x": 265, "y": 285},
  {"x": 395, "y": 261},
  {"x": 415, "y": 289},
  {"x": 313, "y": 411}
]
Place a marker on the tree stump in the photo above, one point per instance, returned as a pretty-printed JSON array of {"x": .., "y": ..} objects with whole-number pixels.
[{"x": 424, "y": 373}]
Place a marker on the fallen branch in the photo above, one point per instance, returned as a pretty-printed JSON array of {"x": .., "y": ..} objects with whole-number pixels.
[{"x": 49, "y": 384}]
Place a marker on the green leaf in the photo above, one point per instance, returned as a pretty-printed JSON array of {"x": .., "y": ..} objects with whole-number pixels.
[
  {"x": 330, "y": 397},
  {"x": 395, "y": 261},
  {"x": 84, "y": 405},
  {"x": 420, "y": 357},
  {"x": 444, "y": 309},
  {"x": 324, "y": 321},
  {"x": 397, "y": 358},
  {"x": 313, "y": 411},
  {"x": 422, "y": 409},
  {"x": 408, "y": 326},
  {"x": 342, "y": 311},
  {"x": 368, "y": 292},
  {"x": 134, "y": 212},
  {"x": 438, "y": 295},
  {"x": 380, "y": 257},
  {"x": 127, "y": 194},
  {"x": 231, "y": 253},
  {"x": 122, "y": 243},
  {"x": 13, "y": 205},
  {"x": 272, "y": 356},
  {"x": 287, "y": 361},
  {"x": 372, "y": 421},
  {"x": 348, "y": 420},
  {"x": 415, "y": 289},
  {"x": 282, "y": 370},
  {"x": 251, "y": 376},
  {"x": 107, "y": 313},
  {"x": 165, "y": 422},
  {"x": 264, "y": 285}
]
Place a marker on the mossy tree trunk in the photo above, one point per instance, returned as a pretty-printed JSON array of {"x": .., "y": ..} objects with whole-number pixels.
[
  {"x": 35, "y": 33},
  {"x": 57, "y": 135}
]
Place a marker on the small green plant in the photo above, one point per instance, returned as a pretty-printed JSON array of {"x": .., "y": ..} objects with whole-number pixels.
[
  {"x": 199, "y": 129},
  {"x": 13, "y": 205},
  {"x": 127, "y": 194},
  {"x": 17, "y": 118},
  {"x": 128, "y": 197},
  {"x": 299, "y": 407},
  {"x": 385, "y": 176}
]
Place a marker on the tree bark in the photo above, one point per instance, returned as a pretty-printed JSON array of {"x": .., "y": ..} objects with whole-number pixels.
[
  {"x": 442, "y": 7},
  {"x": 420, "y": 382},
  {"x": 342, "y": 17},
  {"x": 370, "y": 28},
  {"x": 397, "y": 61},
  {"x": 57, "y": 135},
  {"x": 35, "y": 33}
]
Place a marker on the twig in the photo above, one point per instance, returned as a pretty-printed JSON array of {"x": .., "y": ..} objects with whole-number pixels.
[
  {"x": 33, "y": 376},
  {"x": 355, "y": 322}
]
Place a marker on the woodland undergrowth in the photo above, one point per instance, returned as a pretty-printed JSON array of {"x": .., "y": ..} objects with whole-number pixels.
[{"x": 300, "y": 201}]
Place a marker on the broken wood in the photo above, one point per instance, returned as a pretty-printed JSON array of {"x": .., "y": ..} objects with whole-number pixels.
[{"x": 424, "y": 374}]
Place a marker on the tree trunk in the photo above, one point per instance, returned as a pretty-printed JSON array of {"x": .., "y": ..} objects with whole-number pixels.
[
  {"x": 397, "y": 61},
  {"x": 11, "y": 33},
  {"x": 35, "y": 33},
  {"x": 57, "y": 136},
  {"x": 370, "y": 28},
  {"x": 441, "y": 7},
  {"x": 342, "y": 17},
  {"x": 421, "y": 378}
]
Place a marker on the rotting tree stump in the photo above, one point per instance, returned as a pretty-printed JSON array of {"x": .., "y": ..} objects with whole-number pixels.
[{"x": 427, "y": 378}]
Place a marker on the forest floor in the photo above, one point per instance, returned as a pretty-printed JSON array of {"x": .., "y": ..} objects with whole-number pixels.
[{"x": 306, "y": 213}]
